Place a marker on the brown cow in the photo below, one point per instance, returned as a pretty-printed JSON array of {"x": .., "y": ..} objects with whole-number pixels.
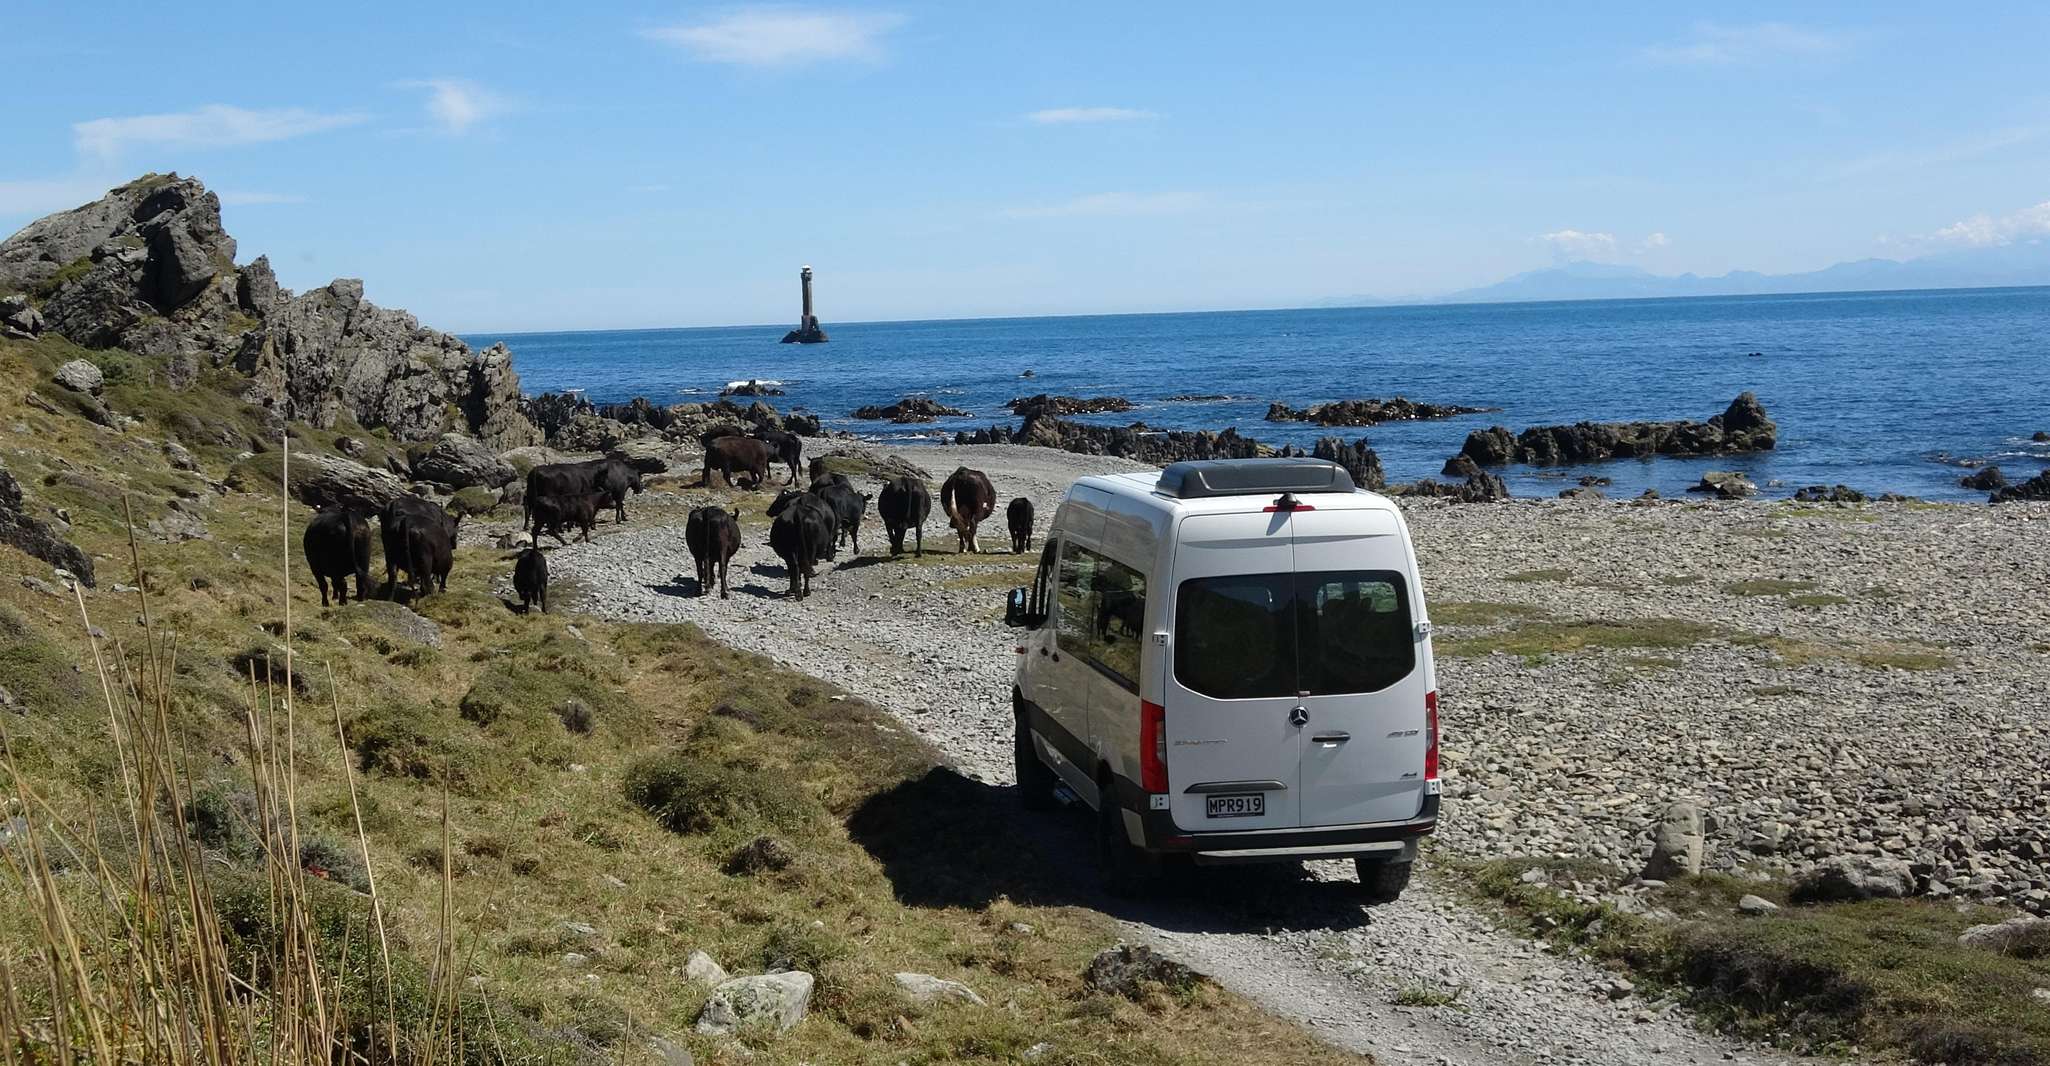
[
  {"x": 967, "y": 497},
  {"x": 744, "y": 454}
]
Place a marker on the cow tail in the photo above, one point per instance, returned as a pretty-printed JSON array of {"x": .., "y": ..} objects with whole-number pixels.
[{"x": 947, "y": 503}]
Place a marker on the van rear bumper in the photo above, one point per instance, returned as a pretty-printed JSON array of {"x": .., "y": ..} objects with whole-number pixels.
[{"x": 1396, "y": 840}]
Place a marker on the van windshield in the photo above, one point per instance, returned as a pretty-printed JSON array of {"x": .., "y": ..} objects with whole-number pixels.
[{"x": 1253, "y": 636}]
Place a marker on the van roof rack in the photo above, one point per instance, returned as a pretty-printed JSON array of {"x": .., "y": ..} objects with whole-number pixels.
[{"x": 1203, "y": 478}]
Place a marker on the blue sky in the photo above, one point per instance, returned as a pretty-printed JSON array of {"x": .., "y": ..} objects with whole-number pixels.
[{"x": 532, "y": 166}]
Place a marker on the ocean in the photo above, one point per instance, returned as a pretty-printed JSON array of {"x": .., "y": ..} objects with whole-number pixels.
[{"x": 1879, "y": 391}]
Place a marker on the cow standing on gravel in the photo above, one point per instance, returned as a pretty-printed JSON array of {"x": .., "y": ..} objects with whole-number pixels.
[
  {"x": 735, "y": 454},
  {"x": 847, "y": 505},
  {"x": 802, "y": 535},
  {"x": 904, "y": 504},
  {"x": 788, "y": 448},
  {"x": 612, "y": 476},
  {"x": 1019, "y": 517},
  {"x": 968, "y": 498},
  {"x": 579, "y": 511},
  {"x": 337, "y": 545},
  {"x": 713, "y": 535}
]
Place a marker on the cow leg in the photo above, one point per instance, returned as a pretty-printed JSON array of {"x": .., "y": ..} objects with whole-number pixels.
[
  {"x": 723, "y": 564},
  {"x": 544, "y": 599},
  {"x": 322, "y": 583}
]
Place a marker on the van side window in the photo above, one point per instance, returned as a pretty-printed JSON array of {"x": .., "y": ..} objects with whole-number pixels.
[
  {"x": 1258, "y": 636},
  {"x": 1039, "y": 602},
  {"x": 1075, "y": 591},
  {"x": 1120, "y": 620}
]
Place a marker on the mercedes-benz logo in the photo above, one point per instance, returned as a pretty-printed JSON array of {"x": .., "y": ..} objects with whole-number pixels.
[{"x": 1300, "y": 716}]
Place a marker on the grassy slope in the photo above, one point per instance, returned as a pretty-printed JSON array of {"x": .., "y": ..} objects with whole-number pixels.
[{"x": 898, "y": 866}]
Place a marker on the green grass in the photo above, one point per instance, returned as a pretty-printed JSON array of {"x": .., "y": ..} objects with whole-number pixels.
[
  {"x": 1883, "y": 975},
  {"x": 1479, "y": 613},
  {"x": 1426, "y": 996},
  {"x": 1557, "y": 637},
  {"x": 1872, "y": 655},
  {"x": 1534, "y": 576},
  {"x": 1768, "y": 586},
  {"x": 1818, "y": 599}
]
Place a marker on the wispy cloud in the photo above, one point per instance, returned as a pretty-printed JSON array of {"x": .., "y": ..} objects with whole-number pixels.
[
  {"x": 213, "y": 126},
  {"x": 1956, "y": 151},
  {"x": 1057, "y": 116},
  {"x": 1986, "y": 231},
  {"x": 1113, "y": 204},
  {"x": 781, "y": 36},
  {"x": 1653, "y": 242},
  {"x": 241, "y": 197},
  {"x": 1576, "y": 244},
  {"x": 455, "y": 105},
  {"x": 1712, "y": 44}
]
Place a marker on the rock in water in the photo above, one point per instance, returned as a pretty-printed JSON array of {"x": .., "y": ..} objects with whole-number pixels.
[
  {"x": 910, "y": 409},
  {"x": 926, "y": 990},
  {"x": 1829, "y": 494},
  {"x": 2035, "y": 488},
  {"x": 1725, "y": 485},
  {"x": 1676, "y": 843},
  {"x": 1357, "y": 458},
  {"x": 776, "y": 1000},
  {"x": 1742, "y": 427},
  {"x": 1369, "y": 412},
  {"x": 1063, "y": 406},
  {"x": 1848, "y": 878},
  {"x": 1984, "y": 480}
]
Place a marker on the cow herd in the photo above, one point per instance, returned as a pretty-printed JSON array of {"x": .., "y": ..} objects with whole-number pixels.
[{"x": 807, "y": 526}]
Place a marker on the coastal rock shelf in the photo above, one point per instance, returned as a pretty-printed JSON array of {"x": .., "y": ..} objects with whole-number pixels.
[
  {"x": 1137, "y": 441},
  {"x": 1743, "y": 427},
  {"x": 1064, "y": 406},
  {"x": 149, "y": 268},
  {"x": 908, "y": 411},
  {"x": 1369, "y": 412}
]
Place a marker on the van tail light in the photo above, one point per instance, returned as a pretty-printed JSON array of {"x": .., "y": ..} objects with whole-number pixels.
[
  {"x": 1152, "y": 746},
  {"x": 1430, "y": 736}
]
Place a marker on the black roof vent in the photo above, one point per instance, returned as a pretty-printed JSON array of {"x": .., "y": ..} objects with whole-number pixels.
[{"x": 1251, "y": 477}]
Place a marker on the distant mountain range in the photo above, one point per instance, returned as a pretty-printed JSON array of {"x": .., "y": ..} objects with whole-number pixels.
[{"x": 2026, "y": 263}]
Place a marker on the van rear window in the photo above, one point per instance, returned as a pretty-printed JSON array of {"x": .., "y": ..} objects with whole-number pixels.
[{"x": 1255, "y": 636}]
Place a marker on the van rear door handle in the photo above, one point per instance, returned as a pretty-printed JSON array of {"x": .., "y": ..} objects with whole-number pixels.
[{"x": 1330, "y": 738}]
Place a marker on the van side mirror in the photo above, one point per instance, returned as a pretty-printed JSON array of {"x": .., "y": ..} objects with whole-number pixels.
[{"x": 1014, "y": 608}]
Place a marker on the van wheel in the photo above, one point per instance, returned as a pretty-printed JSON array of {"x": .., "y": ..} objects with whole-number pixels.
[
  {"x": 1126, "y": 870},
  {"x": 1035, "y": 778},
  {"x": 1381, "y": 881}
]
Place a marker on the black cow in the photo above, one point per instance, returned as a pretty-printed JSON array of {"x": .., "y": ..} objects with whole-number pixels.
[
  {"x": 553, "y": 514},
  {"x": 337, "y": 546},
  {"x": 743, "y": 454},
  {"x": 530, "y": 580},
  {"x": 848, "y": 507},
  {"x": 817, "y": 468},
  {"x": 904, "y": 504},
  {"x": 788, "y": 447},
  {"x": 430, "y": 551},
  {"x": 615, "y": 477},
  {"x": 713, "y": 535},
  {"x": 802, "y": 535},
  {"x": 1019, "y": 517},
  {"x": 391, "y": 529},
  {"x": 967, "y": 497},
  {"x": 557, "y": 479},
  {"x": 728, "y": 430}
]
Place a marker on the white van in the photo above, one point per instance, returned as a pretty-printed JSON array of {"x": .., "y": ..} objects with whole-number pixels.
[{"x": 1231, "y": 660}]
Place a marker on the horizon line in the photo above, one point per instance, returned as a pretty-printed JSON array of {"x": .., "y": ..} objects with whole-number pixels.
[{"x": 1393, "y": 305}]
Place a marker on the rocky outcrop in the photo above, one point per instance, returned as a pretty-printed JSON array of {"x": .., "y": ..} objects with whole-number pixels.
[
  {"x": 32, "y": 535},
  {"x": 19, "y": 317},
  {"x": 79, "y": 375},
  {"x": 1369, "y": 412},
  {"x": 1829, "y": 494},
  {"x": 149, "y": 268},
  {"x": 2034, "y": 489},
  {"x": 775, "y": 1001},
  {"x": 1725, "y": 485},
  {"x": 1480, "y": 488},
  {"x": 320, "y": 480},
  {"x": 751, "y": 387},
  {"x": 910, "y": 409},
  {"x": 1065, "y": 406},
  {"x": 1742, "y": 427},
  {"x": 1137, "y": 441},
  {"x": 459, "y": 461},
  {"x": 1849, "y": 878},
  {"x": 572, "y": 424},
  {"x": 1985, "y": 480},
  {"x": 1357, "y": 458}
]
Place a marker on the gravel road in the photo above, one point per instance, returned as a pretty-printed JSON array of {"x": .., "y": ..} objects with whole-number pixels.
[{"x": 923, "y": 639}]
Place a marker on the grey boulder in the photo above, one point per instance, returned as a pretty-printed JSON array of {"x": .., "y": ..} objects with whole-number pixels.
[
  {"x": 2005, "y": 937},
  {"x": 925, "y": 990},
  {"x": 1725, "y": 485},
  {"x": 80, "y": 375},
  {"x": 460, "y": 461},
  {"x": 1676, "y": 843},
  {"x": 702, "y": 969},
  {"x": 1848, "y": 878},
  {"x": 776, "y": 1001}
]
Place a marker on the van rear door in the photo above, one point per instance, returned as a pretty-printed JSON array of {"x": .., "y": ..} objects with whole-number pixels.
[
  {"x": 1361, "y": 667},
  {"x": 1233, "y": 755}
]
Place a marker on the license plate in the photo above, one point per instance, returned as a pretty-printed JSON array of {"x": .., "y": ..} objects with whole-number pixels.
[{"x": 1236, "y": 805}]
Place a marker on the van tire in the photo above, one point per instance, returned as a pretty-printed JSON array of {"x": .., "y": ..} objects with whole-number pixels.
[
  {"x": 1126, "y": 870},
  {"x": 1381, "y": 881},
  {"x": 1035, "y": 778}
]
